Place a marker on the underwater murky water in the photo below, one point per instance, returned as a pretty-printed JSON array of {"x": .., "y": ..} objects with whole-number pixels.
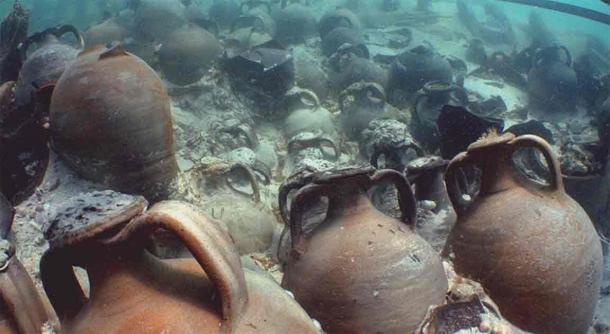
[{"x": 353, "y": 166}]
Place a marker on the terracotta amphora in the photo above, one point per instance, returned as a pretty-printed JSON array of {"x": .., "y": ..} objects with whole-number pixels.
[
  {"x": 187, "y": 54},
  {"x": 131, "y": 291},
  {"x": 46, "y": 63},
  {"x": 360, "y": 271},
  {"x": 552, "y": 81},
  {"x": 233, "y": 196},
  {"x": 307, "y": 114},
  {"x": 22, "y": 310},
  {"x": 111, "y": 122},
  {"x": 530, "y": 245}
]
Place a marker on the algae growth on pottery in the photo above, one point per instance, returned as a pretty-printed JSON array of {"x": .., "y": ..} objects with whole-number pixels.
[{"x": 304, "y": 166}]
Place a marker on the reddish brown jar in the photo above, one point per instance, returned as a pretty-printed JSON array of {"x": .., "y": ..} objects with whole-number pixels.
[
  {"x": 132, "y": 291},
  {"x": 110, "y": 120},
  {"x": 531, "y": 246},
  {"x": 22, "y": 310},
  {"x": 361, "y": 271}
]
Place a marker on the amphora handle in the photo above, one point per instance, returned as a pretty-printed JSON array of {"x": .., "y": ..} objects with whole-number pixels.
[
  {"x": 454, "y": 172},
  {"x": 21, "y": 299},
  {"x": 535, "y": 142},
  {"x": 256, "y": 189},
  {"x": 541, "y": 54},
  {"x": 453, "y": 175},
  {"x": 298, "y": 143},
  {"x": 244, "y": 130},
  {"x": 306, "y": 97},
  {"x": 314, "y": 191},
  {"x": 209, "y": 244},
  {"x": 293, "y": 183},
  {"x": 58, "y": 32},
  {"x": 406, "y": 198},
  {"x": 393, "y": 151},
  {"x": 371, "y": 92}
]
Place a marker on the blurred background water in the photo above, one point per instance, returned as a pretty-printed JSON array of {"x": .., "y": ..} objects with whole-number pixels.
[{"x": 82, "y": 13}]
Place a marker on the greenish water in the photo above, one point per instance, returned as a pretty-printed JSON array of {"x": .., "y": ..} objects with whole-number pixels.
[{"x": 46, "y": 13}]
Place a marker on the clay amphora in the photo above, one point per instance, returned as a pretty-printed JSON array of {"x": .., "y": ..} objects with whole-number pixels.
[
  {"x": 360, "y": 104},
  {"x": 258, "y": 18},
  {"x": 309, "y": 73},
  {"x": 339, "y": 17},
  {"x": 339, "y": 36},
  {"x": 110, "y": 120},
  {"x": 307, "y": 114},
  {"x": 187, "y": 53},
  {"x": 106, "y": 32},
  {"x": 591, "y": 188},
  {"x": 429, "y": 100},
  {"x": 552, "y": 82},
  {"x": 47, "y": 63},
  {"x": 356, "y": 270},
  {"x": 237, "y": 141},
  {"x": 506, "y": 67},
  {"x": 428, "y": 175},
  {"x": 350, "y": 65},
  {"x": 233, "y": 196},
  {"x": 22, "y": 310},
  {"x": 149, "y": 13},
  {"x": 224, "y": 12},
  {"x": 388, "y": 144},
  {"x": 428, "y": 105},
  {"x": 295, "y": 23},
  {"x": 307, "y": 147},
  {"x": 530, "y": 245},
  {"x": 249, "y": 31},
  {"x": 413, "y": 68},
  {"x": 131, "y": 291}
]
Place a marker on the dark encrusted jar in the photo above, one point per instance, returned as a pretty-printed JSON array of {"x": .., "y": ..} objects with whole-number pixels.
[
  {"x": 552, "y": 82},
  {"x": 413, "y": 68},
  {"x": 339, "y": 17},
  {"x": 340, "y": 36},
  {"x": 187, "y": 53},
  {"x": 350, "y": 64},
  {"x": 46, "y": 63}
]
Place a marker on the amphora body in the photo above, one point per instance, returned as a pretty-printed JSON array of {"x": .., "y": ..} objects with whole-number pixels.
[
  {"x": 361, "y": 271},
  {"x": 530, "y": 245}
]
